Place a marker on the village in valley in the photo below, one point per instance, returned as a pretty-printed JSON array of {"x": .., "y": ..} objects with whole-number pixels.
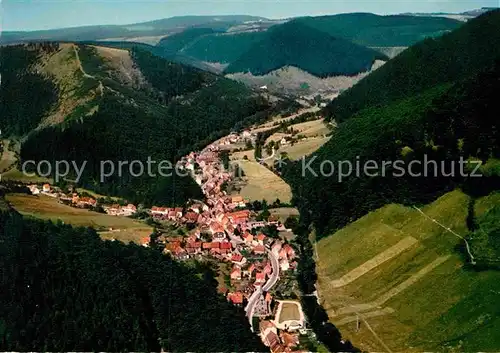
[{"x": 256, "y": 265}]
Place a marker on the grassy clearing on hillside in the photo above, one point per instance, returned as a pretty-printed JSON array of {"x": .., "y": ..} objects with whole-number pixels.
[
  {"x": 65, "y": 67},
  {"x": 304, "y": 147},
  {"x": 48, "y": 208},
  {"x": 437, "y": 302},
  {"x": 8, "y": 157},
  {"x": 262, "y": 184},
  {"x": 94, "y": 194},
  {"x": 17, "y": 175},
  {"x": 311, "y": 128}
]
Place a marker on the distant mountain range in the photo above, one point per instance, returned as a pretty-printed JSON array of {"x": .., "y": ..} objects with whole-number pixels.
[
  {"x": 154, "y": 28},
  {"x": 463, "y": 16},
  {"x": 322, "y": 46}
]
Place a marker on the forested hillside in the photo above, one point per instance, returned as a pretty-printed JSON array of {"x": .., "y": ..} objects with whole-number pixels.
[
  {"x": 461, "y": 53},
  {"x": 314, "y": 51},
  {"x": 64, "y": 289},
  {"x": 176, "y": 42},
  {"x": 442, "y": 124},
  {"x": 381, "y": 31},
  {"x": 162, "y": 27},
  {"x": 25, "y": 95},
  {"x": 223, "y": 48},
  {"x": 178, "y": 109}
]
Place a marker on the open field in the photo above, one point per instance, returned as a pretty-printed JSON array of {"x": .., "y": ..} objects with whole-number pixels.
[
  {"x": 289, "y": 311},
  {"x": 123, "y": 66},
  {"x": 236, "y": 156},
  {"x": 284, "y": 212},
  {"x": 94, "y": 194},
  {"x": 17, "y": 175},
  {"x": 304, "y": 147},
  {"x": 311, "y": 128},
  {"x": 48, "y": 208},
  {"x": 262, "y": 184},
  {"x": 279, "y": 119},
  {"x": 419, "y": 298}
]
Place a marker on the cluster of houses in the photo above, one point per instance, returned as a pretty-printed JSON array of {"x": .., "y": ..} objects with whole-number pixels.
[
  {"x": 76, "y": 200},
  {"x": 278, "y": 341},
  {"x": 72, "y": 199},
  {"x": 225, "y": 230}
]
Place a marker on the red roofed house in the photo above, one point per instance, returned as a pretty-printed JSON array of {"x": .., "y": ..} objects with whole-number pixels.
[
  {"x": 191, "y": 217},
  {"x": 194, "y": 247},
  {"x": 248, "y": 237},
  {"x": 237, "y": 201},
  {"x": 259, "y": 249},
  {"x": 226, "y": 247},
  {"x": 282, "y": 253},
  {"x": 260, "y": 278},
  {"x": 238, "y": 259},
  {"x": 268, "y": 269},
  {"x": 145, "y": 241},
  {"x": 129, "y": 210},
  {"x": 235, "y": 298},
  {"x": 172, "y": 215},
  {"x": 178, "y": 212},
  {"x": 249, "y": 271},
  {"x": 289, "y": 251},
  {"x": 159, "y": 211},
  {"x": 276, "y": 247},
  {"x": 260, "y": 238},
  {"x": 236, "y": 273}
]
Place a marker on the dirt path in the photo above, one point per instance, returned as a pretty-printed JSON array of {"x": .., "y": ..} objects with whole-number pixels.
[
  {"x": 79, "y": 63},
  {"x": 376, "y": 261},
  {"x": 100, "y": 89},
  {"x": 371, "y": 314},
  {"x": 394, "y": 291},
  {"x": 450, "y": 231}
]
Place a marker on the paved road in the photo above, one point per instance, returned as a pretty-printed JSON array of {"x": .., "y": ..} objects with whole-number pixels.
[{"x": 254, "y": 298}]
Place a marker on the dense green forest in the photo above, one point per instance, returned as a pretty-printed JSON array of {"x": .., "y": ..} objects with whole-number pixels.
[
  {"x": 381, "y": 31},
  {"x": 485, "y": 239},
  {"x": 441, "y": 124},
  {"x": 25, "y": 95},
  {"x": 64, "y": 289},
  {"x": 176, "y": 42},
  {"x": 471, "y": 48},
  {"x": 361, "y": 28},
  {"x": 223, "y": 48},
  {"x": 183, "y": 109},
  {"x": 309, "y": 49}
]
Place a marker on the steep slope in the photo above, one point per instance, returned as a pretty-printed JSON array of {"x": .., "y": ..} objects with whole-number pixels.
[
  {"x": 381, "y": 31},
  {"x": 176, "y": 42},
  {"x": 64, "y": 289},
  {"x": 400, "y": 273},
  {"x": 472, "y": 47},
  {"x": 443, "y": 124},
  {"x": 177, "y": 107},
  {"x": 296, "y": 44},
  {"x": 222, "y": 48}
]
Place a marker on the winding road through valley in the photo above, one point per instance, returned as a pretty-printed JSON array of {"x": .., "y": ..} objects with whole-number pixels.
[{"x": 254, "y": 298}]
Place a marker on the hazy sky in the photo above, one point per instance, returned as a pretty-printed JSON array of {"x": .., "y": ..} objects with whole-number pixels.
[{"x": 46, "y": 14}]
